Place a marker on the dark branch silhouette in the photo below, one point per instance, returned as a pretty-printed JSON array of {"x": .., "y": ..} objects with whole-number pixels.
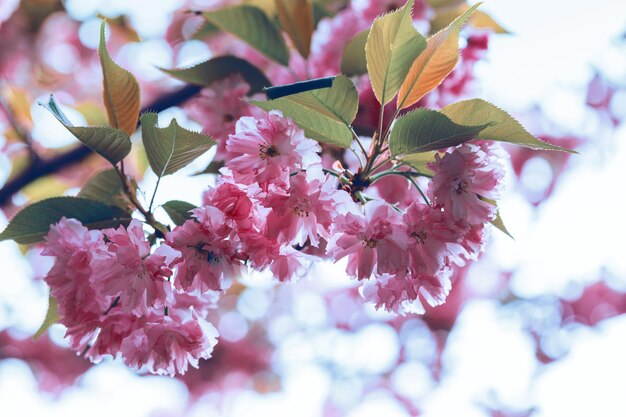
[{"x": 39, "y": 168}]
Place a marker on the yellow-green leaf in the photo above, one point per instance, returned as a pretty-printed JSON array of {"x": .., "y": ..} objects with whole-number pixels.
[
  {"x": 434, "y": 63},
  {"x": 52, "y": 316},
  {"x": 497, "y": 221},
  {"x": 112, "y": 144},
  {"x": 419, "y": 161},
  {"x": 427, "y": 130},
  {"x": 353, "y": 61},
  {"x": 296, "y": 18},
  {"x": 481, "y": 20},
  {"x": 221, "y": 67},
  {"x": 172, "y": 148},
  {"x": 105, "y": 186},
  {"x": 392, "y": 46},
  {"x": 325, "y": 114},
  {"x": 121, "y": 91},
  {"x": 251, "y": 24},
  {"x": 502, "y": 126}
]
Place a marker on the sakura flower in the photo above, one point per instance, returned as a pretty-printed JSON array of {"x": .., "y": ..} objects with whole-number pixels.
[
  {"x": 219, "y": 106},
  {"x": 287, "y": 264},
  {"x": 139, "y": 278},
  {"x": 269, "y": 149},
  {"x": 304, "y": 211},
  {"x": 166, "y": 346},
  {"x": 208, "y": 256},
  {"x": 78, "y": 302},
  {"x": 464, "y": 177},
  {"x": 434, "y": 239},
  {"x": 402, "y": 293},
  {"x": 373, "y": 241}
]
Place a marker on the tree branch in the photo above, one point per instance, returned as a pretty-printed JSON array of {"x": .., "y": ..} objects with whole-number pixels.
[{"x": 40, "y": 168}]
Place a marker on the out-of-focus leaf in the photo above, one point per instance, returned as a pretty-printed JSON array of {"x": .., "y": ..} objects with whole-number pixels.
[
  {"x": 172, "y": 148},
  {"x": 353, "y": 61},
  {"x": 296, "y": 18},
  {"x": 52, "y": 316},
  {"x": 120, "y": 25},
  {"x": 179, "y": 211},
  {"x": 105, "y": 186},
  {"x": 268, "y": 6},
  {"x": 502, "y": 126},
  {"x": 392, "y": 46},
  {"x": 251, "y": 24},
  {"x": 434, "y": 63},
  {"x": 19, "y": 104},
  {"x": 427, "y": 130},
  {"x": 324, "y": 114},
  {"x": 112, "y": 144},
  {"x": 121, "y": 91},
  {"x": 481, "y": 20},
  {"x": 221, "y": 67},
  {"x": 94, "y": 114},
  {"x": 33, "y": 222},
  {"x": 45, "y": 187}
]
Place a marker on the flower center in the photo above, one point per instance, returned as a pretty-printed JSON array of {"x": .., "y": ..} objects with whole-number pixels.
[
  {"x": 302, "y": 207},
  {"x": 420, "y": 236},
  {"x": 461, "y": 186},
  {"x": 370, "y": 243},
  {"x": 267, "y": 152}
]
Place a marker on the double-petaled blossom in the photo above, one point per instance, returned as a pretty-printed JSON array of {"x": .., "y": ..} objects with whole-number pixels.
[
  {"x": 69, "y": 279},
  {"x": 267, "y": 150},
  {"x": 208, "y": 251},
  {"x": 218, "y": 107},
  {"x": 303, "y": 211},
  {"x": 166, "y": 346},
  {"x": 464, "y": 178},
  {"x": 373, "y": 241},
  {"x": 131, "y": 272}
]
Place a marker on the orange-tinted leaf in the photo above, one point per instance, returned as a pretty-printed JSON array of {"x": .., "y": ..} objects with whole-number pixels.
[
  {"x": 434, "y": 64},
  {"x": 296, "y": 18},
  {"x": 121, "y": 91}
]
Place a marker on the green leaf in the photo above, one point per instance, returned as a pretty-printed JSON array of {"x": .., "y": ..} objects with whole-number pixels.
[
  {"x": 33, "y": 222},
  {"x": 105, "y": 186},
  {"x": 296, "y": 18},
  {"x": 251, "y": 24},
  {"x": 502, "y": 127},
  {"x": 419, "y": 161},
  {"x": 353, "y": 61},
  {"x": 497, "y": 222},
  {"x": 121, "y": 91},
  {"x": 112, "y": 144},
  {"x": 52, "y": 316},
  {"x": 392, "y": 46},
  {"x": 172, "y": 148},
  {"x": 324, "y": 114},
  {"x": 219, "y": 68},
  {"x": 427, "y": 130},
  {"x": 179, "y": 211}
]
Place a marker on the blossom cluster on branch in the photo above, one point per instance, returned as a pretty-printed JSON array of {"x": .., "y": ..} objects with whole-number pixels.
[{"x": 344, "y": 167}]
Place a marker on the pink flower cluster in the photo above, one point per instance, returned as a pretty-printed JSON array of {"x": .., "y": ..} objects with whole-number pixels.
[
  {"x": 274, "y": 208},
  {"x": 116, "y": 298},
  {"x": 409, "y": 249}
]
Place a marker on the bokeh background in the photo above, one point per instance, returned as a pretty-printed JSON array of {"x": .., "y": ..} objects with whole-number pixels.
[{"x": 535, "y": 328}]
